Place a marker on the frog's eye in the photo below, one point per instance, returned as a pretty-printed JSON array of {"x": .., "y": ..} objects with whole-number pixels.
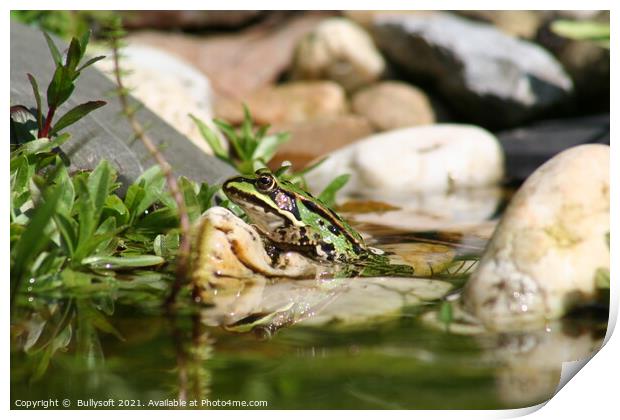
[{"x": 265, "y": 182}]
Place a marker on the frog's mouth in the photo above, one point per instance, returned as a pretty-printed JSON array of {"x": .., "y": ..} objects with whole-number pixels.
[{"x": 265, "y": 217}]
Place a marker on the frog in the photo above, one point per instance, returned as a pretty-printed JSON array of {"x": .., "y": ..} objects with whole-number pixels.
[{"x": 291, "y": 219}]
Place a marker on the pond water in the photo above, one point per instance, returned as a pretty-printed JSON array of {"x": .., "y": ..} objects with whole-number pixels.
[{"x": 116, "y": 343}]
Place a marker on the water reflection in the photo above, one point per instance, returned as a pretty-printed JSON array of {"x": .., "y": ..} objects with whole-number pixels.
[{"x": 359, "y": 343}]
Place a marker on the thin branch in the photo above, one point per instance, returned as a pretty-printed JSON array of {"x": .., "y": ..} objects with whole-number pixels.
[{"x": 183, "y": 256}]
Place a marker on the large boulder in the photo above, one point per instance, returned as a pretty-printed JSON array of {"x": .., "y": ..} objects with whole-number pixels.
[
  {"x": 552, "y": 241},
  {"x": 490, "y": 77},
  {"x": 338, "y": 50},
  {"x": 432, "y": 158}
]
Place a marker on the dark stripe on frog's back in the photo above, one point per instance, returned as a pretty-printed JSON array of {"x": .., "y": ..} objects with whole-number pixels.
[{"x": 328, "y": 214}]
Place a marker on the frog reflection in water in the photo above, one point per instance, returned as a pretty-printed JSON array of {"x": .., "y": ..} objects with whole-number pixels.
[{"x": 291, "y": 219}]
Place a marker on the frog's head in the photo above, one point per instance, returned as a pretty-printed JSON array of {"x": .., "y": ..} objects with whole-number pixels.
[{"x": 268, "y": 202}]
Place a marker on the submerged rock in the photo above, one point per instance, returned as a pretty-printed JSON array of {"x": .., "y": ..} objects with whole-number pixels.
[
  {"x": 338, "y": 50},
  {"x": 488, "y": 76},
  {"x": 543, "y": 258},
  {"x": 434, "y": 158},
  {"x": 391, "y": 105},
  {"x": 286, "y": 103}
]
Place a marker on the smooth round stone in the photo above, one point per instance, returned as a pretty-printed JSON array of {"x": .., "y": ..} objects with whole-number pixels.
[
  {"x": 287, "y": 103},
  {"x": 391, "y": 105},
  {"x": 544, "y": 255},
  {"x": 338, "y": 50},
  {"x": 433, "y": 158}
]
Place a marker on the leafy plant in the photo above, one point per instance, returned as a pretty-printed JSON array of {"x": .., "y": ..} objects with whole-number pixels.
[
  {"x": 61, "y": 87},
  {"x": 251, "y": 149},
  {"x": 597, "y": 32}
]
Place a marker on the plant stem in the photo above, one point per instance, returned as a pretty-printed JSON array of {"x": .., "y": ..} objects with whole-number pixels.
[
  {"x": 184, "y": 246},
  {"x": 48, "y": 122}
]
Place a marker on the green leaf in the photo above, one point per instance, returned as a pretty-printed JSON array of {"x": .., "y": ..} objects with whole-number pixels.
[
  {"x": 190, "y": 196},
  {"x": 328, "y": 195},
  {"x": 42, "y": 145},
  {"x": 74, "y": 54},
  {"x": 53, "y": 49},
  {"x": 582, "y": 30},
  {"x": 114, "y": 207},
  {"x": 68, "y": 229},
  {"x": 37, "y": 98},
  {"x": 91, "y": 62},
  {"x": 86, "y": 217},
  {"x": 120, "y": 263},
  {"x": 60, "y": 88},
  {"x": 166, "y": 246},
  {"x": 75, "y": 115},
  {"x": 446, "y": 314},
  {"x": 211, "y": 139},
  {"x": 268, "y": 147},
  {"x": 33, "y": 240},
  {"x": 84, "y": 39},
  {"x": 99, "y": 182},
  {"x": 229, "y": 132},
  {"x": 205, "y": 195}
]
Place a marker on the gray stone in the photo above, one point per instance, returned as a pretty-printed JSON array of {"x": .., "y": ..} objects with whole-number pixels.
[
  {"x": 105, "y": 133},
  {"x": 490, "y": 77}
]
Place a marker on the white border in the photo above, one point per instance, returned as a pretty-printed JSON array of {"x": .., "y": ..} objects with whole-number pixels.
[{"x": 592, "y": 393}]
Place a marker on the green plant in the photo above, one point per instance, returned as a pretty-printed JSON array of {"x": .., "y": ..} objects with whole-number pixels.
[
  {"x": 251, "y": 148},
  {"x": 61, "y": 87},
  {"x": 597, "y": 32}
]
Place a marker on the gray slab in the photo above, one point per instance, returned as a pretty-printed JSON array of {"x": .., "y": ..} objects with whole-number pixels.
[{"x": 105, "y": 133}]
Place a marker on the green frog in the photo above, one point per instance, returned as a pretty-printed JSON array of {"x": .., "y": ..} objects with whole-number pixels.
[{"x": 291, "y": 219}]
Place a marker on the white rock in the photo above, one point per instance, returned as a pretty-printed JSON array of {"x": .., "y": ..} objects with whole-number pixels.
[
  {"x": 168, "y": 86},
  {"x": 338, "y": 50},
  {"x": 543, "y": 257},
  {"x": 432, "y": 158}
]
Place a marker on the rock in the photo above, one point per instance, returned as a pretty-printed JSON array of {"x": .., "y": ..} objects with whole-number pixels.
[
  {"x": 190, "y": 19},
  {"x": 286, "y": 103},
  {"x": 526, "y": 148},
  {"x": 106, "y": 133},
  {"x": 552, "y": 239},
  {"x": 241, "y": 62},
  {"x": 390, "y": 105},
  {"x": 433, "y": 158},
  {"x": 169, "y": 86},
  {"x": 490, "y": 77},
  {"x": 588, "y": 64},
  {"x": 338, "y": 50},
  {"x": 333, "y": 132},
  {"x": 460, "y": 210},
  {"x": 365, "y": 18},
  {"x": 519, "y": 23}
]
